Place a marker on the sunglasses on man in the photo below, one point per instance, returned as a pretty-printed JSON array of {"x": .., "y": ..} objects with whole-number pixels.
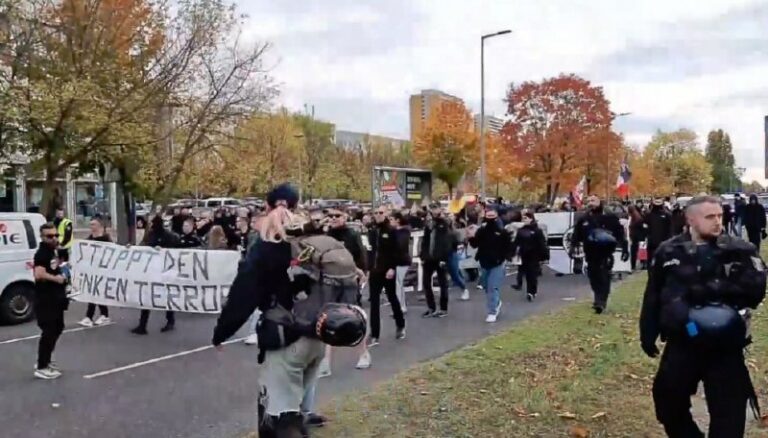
[
  {"x": 334, "y": 216},
  {"x": 380, "y": 212}
]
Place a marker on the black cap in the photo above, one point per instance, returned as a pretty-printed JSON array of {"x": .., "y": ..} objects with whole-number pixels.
[{"x": 283, "y": 192}]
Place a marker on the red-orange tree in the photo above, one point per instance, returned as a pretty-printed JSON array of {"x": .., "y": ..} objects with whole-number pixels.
[
  {"x": 448, "y": 144},
  {"x": 555, "y": 128}
]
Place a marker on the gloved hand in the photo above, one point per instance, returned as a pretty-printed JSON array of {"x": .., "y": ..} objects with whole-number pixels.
[
  {"x": 763, "y": 234},
  {"x": 624, "y": 255},
  {"x": 650, "y": 349}
]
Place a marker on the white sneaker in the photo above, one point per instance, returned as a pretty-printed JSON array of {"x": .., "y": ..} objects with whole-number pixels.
[
  {"x": 86, "y": 322},
  {"x": 365, "y": 361},
  {"x": 252, "y": 339},
  {"x": 51, "y": 365},
  {"x": 479, "y": 287},
  {"x": 103, "y": 320},
  {"x": 490, "y": 318},
  {"x": 47, "y": 374},
  {"x": 465, "y": 295}
]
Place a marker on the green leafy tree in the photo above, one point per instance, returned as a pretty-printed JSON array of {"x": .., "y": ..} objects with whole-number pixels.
[{"x": 719, "y": 154}]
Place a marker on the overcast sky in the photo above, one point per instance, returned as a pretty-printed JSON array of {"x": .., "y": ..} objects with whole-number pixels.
[{"x": 698, "y": 64}]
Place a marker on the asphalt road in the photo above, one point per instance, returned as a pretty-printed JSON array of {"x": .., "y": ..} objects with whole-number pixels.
[{"x": 173, "y": 384}]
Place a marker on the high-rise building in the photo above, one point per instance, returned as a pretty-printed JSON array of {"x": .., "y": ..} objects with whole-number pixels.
[
  {"x": 492, "y": 124},
  {"x": 422, "y": 104},
  {"x": 351, "y": 140}
]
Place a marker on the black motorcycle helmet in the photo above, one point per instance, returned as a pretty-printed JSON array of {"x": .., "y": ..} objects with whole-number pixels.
[{"x": 341, "y": 325}]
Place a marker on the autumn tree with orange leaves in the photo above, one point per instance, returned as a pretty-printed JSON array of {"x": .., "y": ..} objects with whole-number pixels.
[
  {"x": 559, "y": 129},
  {"x": 448, "y": 144}
]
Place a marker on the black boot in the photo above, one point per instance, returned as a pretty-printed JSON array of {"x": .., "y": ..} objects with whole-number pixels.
[
  {"x": 140, "y": 330},
  {"x": 168, "y": 327}
]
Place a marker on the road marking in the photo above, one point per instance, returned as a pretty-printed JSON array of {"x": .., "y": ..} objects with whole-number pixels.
[
  {"x": 72, "y": 330},
  {"x": 156, "y": 360}
]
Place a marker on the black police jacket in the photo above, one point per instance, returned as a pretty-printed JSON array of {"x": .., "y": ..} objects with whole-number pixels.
[
  {"x": 588, "y": 223},
  {"x": 677, "y": 281},
  {"x": 530, "y": 244},
  {"x": 659, "y": 223}
]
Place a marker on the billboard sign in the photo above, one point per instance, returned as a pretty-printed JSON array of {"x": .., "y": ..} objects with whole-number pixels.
[{"x": 401, "y": 187}]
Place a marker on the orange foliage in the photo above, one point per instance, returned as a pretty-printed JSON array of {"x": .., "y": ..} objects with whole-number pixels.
[
  {"x": 448, "y": 144},
  {"x": 556, "y": 128}
]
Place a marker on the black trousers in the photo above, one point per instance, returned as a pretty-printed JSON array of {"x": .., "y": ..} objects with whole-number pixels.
[
  {"x": 634, "y": 249},
  {"x": 430, "y": 268},
  {"x": 377, "y": 282},
  {"x": 650, "y": 251},
  {"x": 727, "y": 386},
  {"x": 91, "y": 311},
  {"x": 170, "y": 318},
  {"x": 599, "y": 274},
  {"x": 754, "y": 237},
  {"x": 50, "y": 319},
  {"x": 531, "y": 272}
]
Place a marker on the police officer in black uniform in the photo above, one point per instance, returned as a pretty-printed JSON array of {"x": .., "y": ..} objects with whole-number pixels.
[
  {"x": 659, "y": 226},
  {"x": 700, "y": 284},
  {"x": 599, "y": 233}
]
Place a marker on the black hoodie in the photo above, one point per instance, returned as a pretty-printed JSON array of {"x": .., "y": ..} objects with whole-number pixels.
[
  {"x": 659, "y": 222},
  {"x": 754, "y": 215},
  {"x": 493, "y": 243}
]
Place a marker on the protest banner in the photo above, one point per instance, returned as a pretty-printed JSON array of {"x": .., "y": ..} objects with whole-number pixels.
[{"x": 182, "y": 280}]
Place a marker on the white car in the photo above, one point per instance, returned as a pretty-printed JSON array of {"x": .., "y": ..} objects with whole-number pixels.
[
  {"x": 19, "y": 240},
  {"x": 215, "y": 203}
]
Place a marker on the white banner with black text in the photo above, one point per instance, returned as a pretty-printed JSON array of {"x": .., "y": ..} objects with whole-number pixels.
[{"x": 182, "y": 280}]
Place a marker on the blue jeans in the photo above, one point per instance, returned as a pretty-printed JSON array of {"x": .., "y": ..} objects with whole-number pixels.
[
  {"x": 308, "y": 402},
  {"x": 492, "y": 279},
  {"x": 453, "y": 270}
]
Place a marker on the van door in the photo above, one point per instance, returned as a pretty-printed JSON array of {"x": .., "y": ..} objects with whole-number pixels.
[{"x": 17, "y": 239}]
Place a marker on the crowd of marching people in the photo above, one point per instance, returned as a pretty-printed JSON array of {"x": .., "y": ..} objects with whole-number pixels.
[{"x": 376, "y": 251}]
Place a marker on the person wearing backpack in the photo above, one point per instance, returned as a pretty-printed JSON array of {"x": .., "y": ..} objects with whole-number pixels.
[
  {"x": 293, "y": 333},
  {"x": 600, "y": 233}
]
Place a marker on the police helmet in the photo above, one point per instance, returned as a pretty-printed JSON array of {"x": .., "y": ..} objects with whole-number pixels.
[
  {"x": 717, "y": 326},
  {"x": 341, "y": 325}
]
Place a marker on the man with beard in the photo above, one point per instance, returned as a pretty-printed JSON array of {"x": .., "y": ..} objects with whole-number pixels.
[
  {"x": 658, "y": 226},
  {"x": 50, "y": 301},
  {"x": 600, "y": 234},
  {"x": 754, "y": 221}
]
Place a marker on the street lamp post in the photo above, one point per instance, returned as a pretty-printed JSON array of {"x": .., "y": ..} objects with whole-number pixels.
[{"x": 482, "y": 106}]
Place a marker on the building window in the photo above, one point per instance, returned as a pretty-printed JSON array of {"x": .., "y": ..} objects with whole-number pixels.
[{"x": 91, "y": 199}]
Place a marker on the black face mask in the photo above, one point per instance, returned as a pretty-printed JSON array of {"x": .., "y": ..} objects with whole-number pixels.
[{"x": 490, "y": 221}]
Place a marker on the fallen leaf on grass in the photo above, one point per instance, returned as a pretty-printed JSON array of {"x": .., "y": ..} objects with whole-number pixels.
[
  {"x": 578, "y": 432},
  {"x": 567, "y": 415},
  {"x": 424, "y": 393},
  {"x": 598, "y": 415},
  {"x": 521, "y": 413},
  {"x": 764, "y": 421},
  {"x": 483, "y": 391},
  {"x": 633, "y": 376}
]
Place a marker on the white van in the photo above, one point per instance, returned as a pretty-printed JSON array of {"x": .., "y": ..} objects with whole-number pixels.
[
  {"x": 220, "y": 202},
  {"x": 19, "y": 240}
]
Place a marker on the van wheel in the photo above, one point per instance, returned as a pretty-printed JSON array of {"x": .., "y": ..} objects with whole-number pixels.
[{"x": 17, "y": 304}]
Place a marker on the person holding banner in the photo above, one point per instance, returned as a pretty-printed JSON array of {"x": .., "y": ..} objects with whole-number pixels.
[
  {"x": 158, "y": 237},
  {"x": 98, "y": 234},
  {"x": 50, "y": 301}
]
